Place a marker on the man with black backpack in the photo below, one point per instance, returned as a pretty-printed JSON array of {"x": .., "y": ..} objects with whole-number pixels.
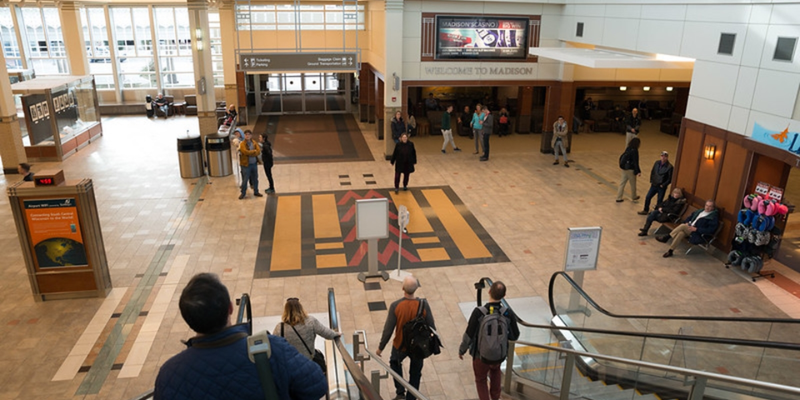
[
  {"x": 402, "y": 312},
  {"x": 488, "y": 332}
]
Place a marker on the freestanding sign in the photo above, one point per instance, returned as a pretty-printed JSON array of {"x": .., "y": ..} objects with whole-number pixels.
[
  {"x": 304, "y": 62},
  {"x": 59, "y": 232},
  {"x": 583, "y": 248},
  {"x": 372, "y": 223}
]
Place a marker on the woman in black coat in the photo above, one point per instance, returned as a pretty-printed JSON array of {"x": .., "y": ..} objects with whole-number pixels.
[
  {"x": 266, "y": 158},
  {"x": 629, "y": 164},
  {"x": 403, "y": 159}
]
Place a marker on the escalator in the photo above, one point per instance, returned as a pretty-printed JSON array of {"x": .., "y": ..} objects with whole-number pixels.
[{"x": 649, "y": 357}]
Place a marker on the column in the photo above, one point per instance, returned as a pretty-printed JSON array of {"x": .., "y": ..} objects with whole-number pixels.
[
  {"x": 203, "y": 74},
  {"x": 227, "y": 25},
  {"x": 72, "y": 31},
  {"x": 12, "y": 151},
  {"x": 392, "y": 69}
]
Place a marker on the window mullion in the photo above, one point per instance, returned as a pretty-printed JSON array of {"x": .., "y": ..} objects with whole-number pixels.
[
  {"x": 21, "y": 34},
  {"x": 154, "y": 48},
  {"x": 111, "y": 36}
]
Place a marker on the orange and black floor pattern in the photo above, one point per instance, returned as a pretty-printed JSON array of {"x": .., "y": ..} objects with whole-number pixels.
[{"x": 315, "y": 233}]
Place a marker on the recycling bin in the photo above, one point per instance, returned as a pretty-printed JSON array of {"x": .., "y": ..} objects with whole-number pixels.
[
  {"x": 218, "y": 154},
  {"x": 190, "y": 157}
]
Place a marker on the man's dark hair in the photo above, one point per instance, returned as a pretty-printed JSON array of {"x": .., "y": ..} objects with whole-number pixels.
[
  {"x": 498, "y": 290},
  {"x": 205, "y": 303},
  {"x": 25, "y": 167}
]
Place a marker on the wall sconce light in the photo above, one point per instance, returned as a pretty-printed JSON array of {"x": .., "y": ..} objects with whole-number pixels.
[
  {"x": 711, "y": 150},
  {"x": 198, "y": 33},
  {"x": 669, "y": 88},
  {"x": 623, "y": 88},
  {"x": 647, "y": 88}
]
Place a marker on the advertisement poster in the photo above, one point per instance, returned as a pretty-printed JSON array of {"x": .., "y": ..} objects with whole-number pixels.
[
  {"x": 481, "y": 37},
  {"x": 55, "y": 233},
  {"x": 38, "y": 115},
  {"x": 583, "y": 247}
]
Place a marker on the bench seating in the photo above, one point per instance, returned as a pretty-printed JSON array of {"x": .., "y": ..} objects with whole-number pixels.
[{"x": 708, "y": 239}]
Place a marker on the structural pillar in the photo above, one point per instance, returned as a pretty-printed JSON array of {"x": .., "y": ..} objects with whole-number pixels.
[
  {"x": 392, "y": 70},
  {"x": 72, "y": 31},
  {"x": 203, "y": 74},
  {"x": 227, "y": 25},
  {"x": 12, "y": 151}
]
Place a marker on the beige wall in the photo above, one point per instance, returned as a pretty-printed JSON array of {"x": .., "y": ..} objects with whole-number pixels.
[{"x": 372, "y": 50}]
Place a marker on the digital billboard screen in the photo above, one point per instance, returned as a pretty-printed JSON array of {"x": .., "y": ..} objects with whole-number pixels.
[{"x": 481, "y": 37}]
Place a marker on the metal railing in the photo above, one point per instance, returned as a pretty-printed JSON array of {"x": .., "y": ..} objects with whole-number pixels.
[{"x": 774, "y": 356}]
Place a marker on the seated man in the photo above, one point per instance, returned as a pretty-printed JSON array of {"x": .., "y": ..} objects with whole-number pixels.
[
  {"x": 162, "y": 105},
  {"x": 672, "y": 205},
  {"x": 431, "y": 103},
  {"x": 701, "y": 222},
  {"x": 216, "y": 365}
]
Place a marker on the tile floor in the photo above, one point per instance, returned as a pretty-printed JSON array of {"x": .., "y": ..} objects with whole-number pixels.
[{"x": 152, "y": 226}]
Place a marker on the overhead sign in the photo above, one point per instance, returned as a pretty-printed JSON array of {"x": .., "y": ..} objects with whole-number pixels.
[{"x": 280, "y": 62}]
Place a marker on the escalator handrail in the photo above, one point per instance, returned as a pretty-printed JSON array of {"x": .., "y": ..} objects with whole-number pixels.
[
  {"x": 245, "y": 310},
  {"x": 588, "y": 299},
  {"x": 364, "y": 385},
  {"x": 670, "y": 368},
  {"x": 691, "y": 338}
]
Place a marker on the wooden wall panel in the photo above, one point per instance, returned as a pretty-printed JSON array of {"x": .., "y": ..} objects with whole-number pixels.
[
  {"x": 767, "y": 170},
  {"x": 733, "y": 177},
  {"x": 708, "y": 170},
  {"x": 690, "y": 152}
]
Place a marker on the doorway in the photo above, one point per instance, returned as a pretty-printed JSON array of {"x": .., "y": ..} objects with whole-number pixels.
[{"x": 303, "y": 93}]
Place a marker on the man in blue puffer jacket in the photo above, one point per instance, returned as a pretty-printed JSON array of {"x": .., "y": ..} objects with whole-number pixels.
[{"x": 216, "y": 365}]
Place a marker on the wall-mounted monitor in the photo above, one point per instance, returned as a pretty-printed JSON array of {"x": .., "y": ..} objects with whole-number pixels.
[{"x": 480, "y": 37}]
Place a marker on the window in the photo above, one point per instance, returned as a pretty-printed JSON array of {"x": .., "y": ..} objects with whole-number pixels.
[
  {"x": 8, "y": 36},
  {"x": 134, "y": 47},
  {"x": 579, "y": 30},
  {"x": 784, "y": 50},
  {"x": 215, "y": 43},
  {"x": 310, "y": 17},
  {"x": 45, "y": 45},
  {"x": 174, "y": 47},
  {"x": 726, "y": 42},
  {"x": 95, "y": 36}
]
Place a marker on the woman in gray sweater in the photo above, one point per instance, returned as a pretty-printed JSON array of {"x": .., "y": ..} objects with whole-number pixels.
[{"x": 296, "y": 324}]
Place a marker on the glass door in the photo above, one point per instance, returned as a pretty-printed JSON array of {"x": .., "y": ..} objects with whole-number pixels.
[
  {"x": 314, "y": 92},
  {"x": 292, "y": 93}
]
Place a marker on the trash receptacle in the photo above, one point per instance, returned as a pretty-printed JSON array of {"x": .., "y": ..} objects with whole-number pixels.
[
  {"x": 218, "y": 154},
  {"x": 148, "y": 106},
  {"x": 190, "y": 157}
]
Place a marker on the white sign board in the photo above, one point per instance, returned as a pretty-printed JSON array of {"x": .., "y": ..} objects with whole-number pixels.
[
  {"x": 583, "y": 247},
  {"x": 372, "y": 219}
]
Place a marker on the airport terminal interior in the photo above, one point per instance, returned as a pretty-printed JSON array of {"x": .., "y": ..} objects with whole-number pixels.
[{"x": 508, "y": 218}]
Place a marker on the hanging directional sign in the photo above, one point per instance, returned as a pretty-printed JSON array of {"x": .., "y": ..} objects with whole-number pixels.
[{"x": 281, "y": 62}]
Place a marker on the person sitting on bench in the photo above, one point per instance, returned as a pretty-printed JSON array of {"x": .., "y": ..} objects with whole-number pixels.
[
  {"x": 701, "y": 222},
  {"x": 665, "y": 211},
  {"x": 162, "y": 105}
]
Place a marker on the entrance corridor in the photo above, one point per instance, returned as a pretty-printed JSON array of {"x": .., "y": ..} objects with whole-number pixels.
[{"x": 160, "y": 228}]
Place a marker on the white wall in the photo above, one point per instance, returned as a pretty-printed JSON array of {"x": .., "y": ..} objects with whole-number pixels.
[{"x": 728, "y": 91}]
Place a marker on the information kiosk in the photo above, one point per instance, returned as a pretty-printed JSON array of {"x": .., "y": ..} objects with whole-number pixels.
[{"x": 59, "y": 232}]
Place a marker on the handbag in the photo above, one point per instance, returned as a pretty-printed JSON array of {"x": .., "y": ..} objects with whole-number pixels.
[{"x": 318, "y": 358}]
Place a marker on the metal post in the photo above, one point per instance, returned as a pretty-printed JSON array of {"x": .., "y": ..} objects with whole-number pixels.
[
  {"x": 566, "y": 379},
  {"x": 372, "y": 257},
  {"x": 509, "y": 367},
  {"x": 698, "y": 388}
]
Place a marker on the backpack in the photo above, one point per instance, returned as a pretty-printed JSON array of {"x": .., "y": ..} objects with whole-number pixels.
[
  {"x": 503, "y": 119},
  {"x": 493, "y": 335},
  {"x": 624, "y": 160},
  {"x": 419, "y": 339}
]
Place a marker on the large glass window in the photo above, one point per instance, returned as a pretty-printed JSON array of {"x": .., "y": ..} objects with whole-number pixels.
[
  {"x": 95, "y": 35},
  {"x": 45, "y": 43},
  {"x": 134, "y": 47},
  {"x": 215, "y": 42},
  {"x": 9, "y": 38},
  {"x": 174, "y": 47},
  {"x": 312, "y": 17}
]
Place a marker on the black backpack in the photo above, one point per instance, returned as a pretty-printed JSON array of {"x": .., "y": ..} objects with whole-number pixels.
[
  {"x": 419, "y": 339},
  {"x": 624, "y": 160}
]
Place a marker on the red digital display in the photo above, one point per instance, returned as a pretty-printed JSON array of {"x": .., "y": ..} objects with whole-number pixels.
[{"x": 44, "y": 181}]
